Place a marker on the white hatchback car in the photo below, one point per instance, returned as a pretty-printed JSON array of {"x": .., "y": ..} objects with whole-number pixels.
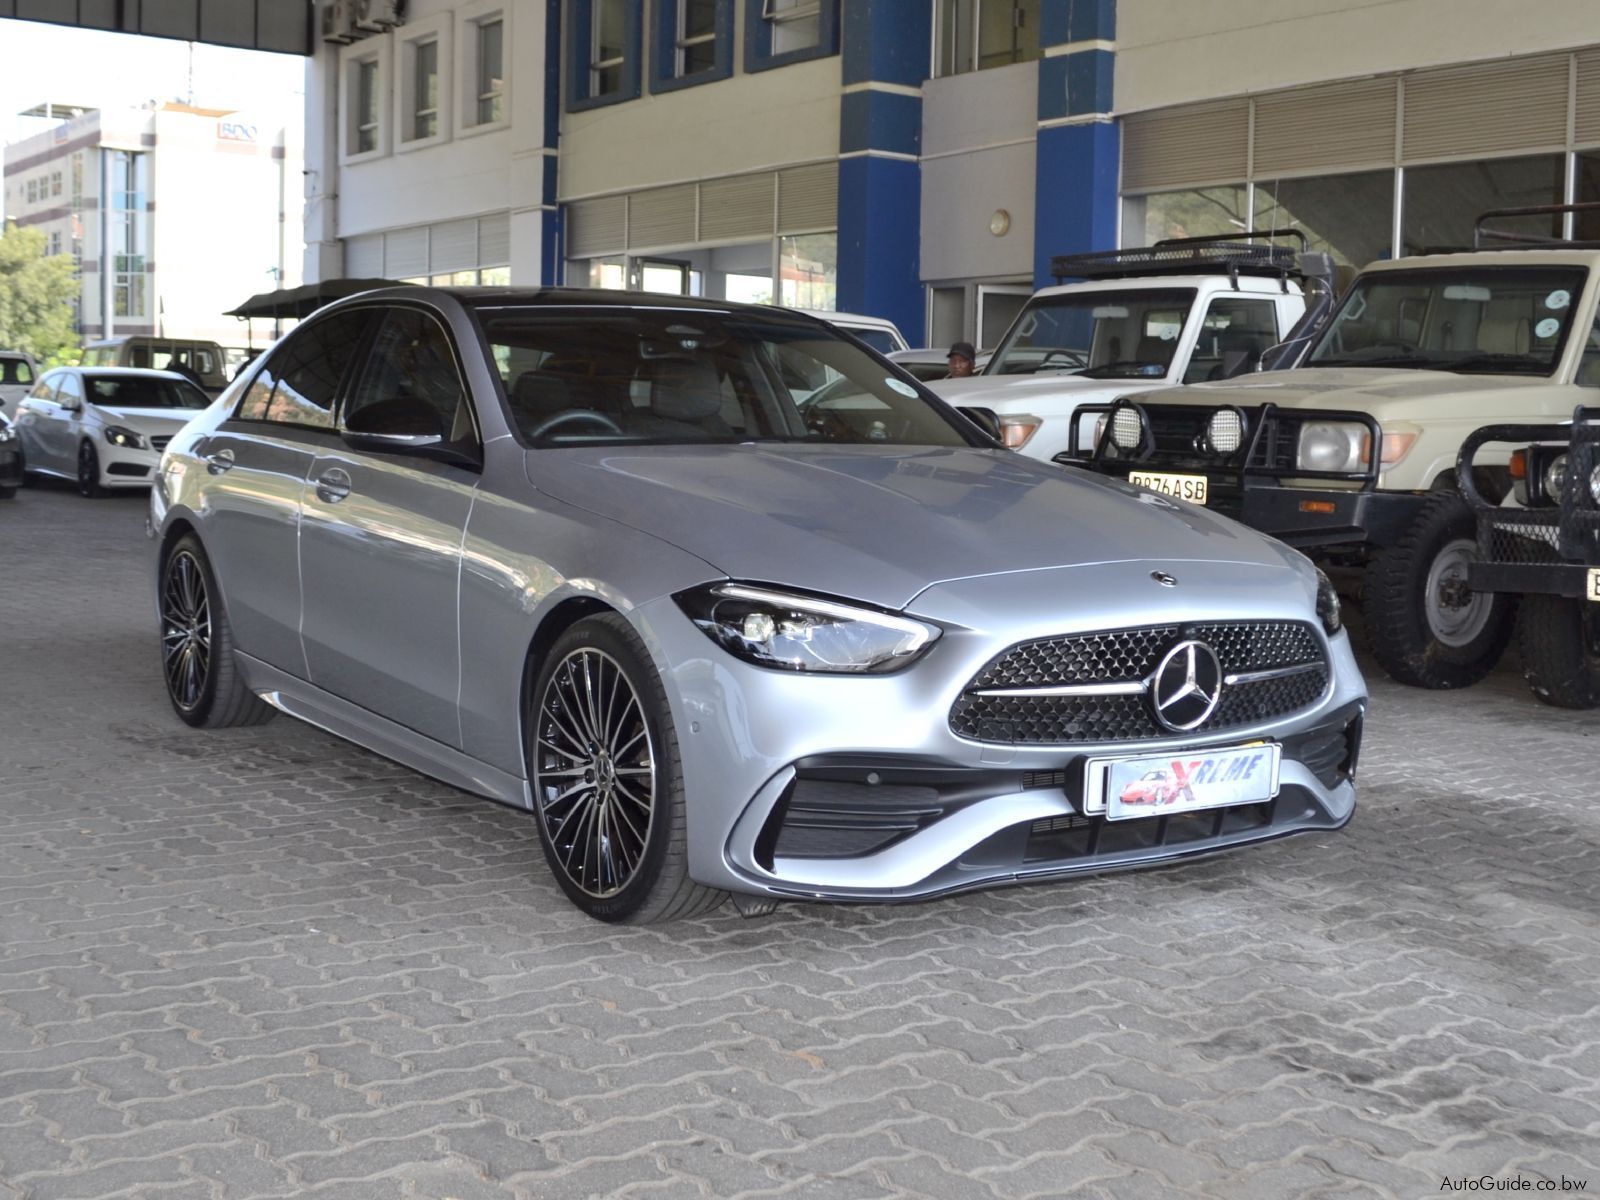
[{"x": 103, "y": 427}]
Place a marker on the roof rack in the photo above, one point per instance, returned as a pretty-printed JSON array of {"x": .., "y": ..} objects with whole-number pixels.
[
  {"x": 1512, "y": 241},
  {"x": 1234, "y": 254}
]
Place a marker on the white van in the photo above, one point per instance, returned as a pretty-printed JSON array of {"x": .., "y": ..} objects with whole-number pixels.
[{"x": 205, "y": 360}]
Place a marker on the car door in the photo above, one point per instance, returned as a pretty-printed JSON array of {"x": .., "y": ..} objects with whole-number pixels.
[
  {"x": 71, "y": 419},
  {"x": 35, "y": 420},
  {"x": 259, "y": 460},
  {"x": 381, "y": 532}
]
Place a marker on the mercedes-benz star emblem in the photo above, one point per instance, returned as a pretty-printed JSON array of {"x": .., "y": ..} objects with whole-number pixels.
[
  {"x": 1186, "y": 686},
  {"x": 1164, "y": 579}
]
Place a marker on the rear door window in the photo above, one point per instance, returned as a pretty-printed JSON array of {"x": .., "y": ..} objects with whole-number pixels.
[
  {"x": 412, "y": 362},
  {"x": 299, "y": 383}
]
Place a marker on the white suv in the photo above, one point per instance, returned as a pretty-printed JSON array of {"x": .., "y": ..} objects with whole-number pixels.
[
  {"x": 17, "y": 374},
  {"x": 1352, "y": 457},
  {"x": 1182, "y": 311}
]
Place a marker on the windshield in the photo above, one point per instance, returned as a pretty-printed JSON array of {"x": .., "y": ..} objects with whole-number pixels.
[
  {"x": 880, "y": 340},
  {"x": 135, "y": 391},
  {"x": 1495, "y": 320},
  {"x": 1115, "y": 334},
  {"x": 602, "y": 376}
]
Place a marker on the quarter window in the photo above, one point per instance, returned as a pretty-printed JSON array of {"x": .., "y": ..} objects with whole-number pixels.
[
  {"x": 71, "y": 389},
  {"x": 45, "y": 389}
]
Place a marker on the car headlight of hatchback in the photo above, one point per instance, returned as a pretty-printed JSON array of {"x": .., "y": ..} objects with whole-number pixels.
[
  {"x": 1328, "y": 610},
  {"x": 794, "y": 632},
  {"x": 126, "y": 438}
]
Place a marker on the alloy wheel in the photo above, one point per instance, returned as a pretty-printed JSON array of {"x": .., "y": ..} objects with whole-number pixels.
[
  {"x": 185, "y": 629},
  {"x": 88, "y": 470},
  {"x": 594, "y": 772}
]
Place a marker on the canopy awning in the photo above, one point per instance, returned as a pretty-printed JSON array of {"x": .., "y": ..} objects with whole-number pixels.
[
  {"x": 299, "y": 303},
  {"x": 283, "y": 26}
]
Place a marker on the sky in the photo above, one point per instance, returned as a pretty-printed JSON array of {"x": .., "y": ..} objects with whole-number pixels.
[{"x": 102, "y": 70}]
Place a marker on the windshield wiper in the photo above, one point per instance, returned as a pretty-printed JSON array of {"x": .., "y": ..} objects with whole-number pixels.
[
  {"x": 1515, "y": 364},
  {"x": 1418, "y": 361}
]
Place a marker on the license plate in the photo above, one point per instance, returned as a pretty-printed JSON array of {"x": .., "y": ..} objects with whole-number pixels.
[
  {"x": 1594, "y": 584},
  {"x": 1178, "y": 781},
  {"x": 1182, "y": 487}
]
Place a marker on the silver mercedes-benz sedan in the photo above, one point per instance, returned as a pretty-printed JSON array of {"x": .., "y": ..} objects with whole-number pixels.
[{"x": 731, "y": 605}]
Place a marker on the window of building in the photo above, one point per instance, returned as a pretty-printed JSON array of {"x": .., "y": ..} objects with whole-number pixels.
[
  {"x": 425, "y": 89},
  {"x": 808, "y": 271},
  {"x": 692, "y": 42},
  {"x": 1346, "y": 215},
  {"x": 696, "y": 42},
  {"x": 77, "y": 180},
  {"x": 603, "y": 50},
  {"x": 55, "y": 183},
  {"x": 33, "y": 191},
  {"x": 779, "y": 32},
  {"x": 1194, "y": 213},
  {"x": 976, "y": 34},
  {"x": 366, "y": 96},
  {"x": 129, "y": 286},
  {"x": 55, "y": 242},
  {"x": 490, "y": 71},
  {"x": 1441, "y": 203}
]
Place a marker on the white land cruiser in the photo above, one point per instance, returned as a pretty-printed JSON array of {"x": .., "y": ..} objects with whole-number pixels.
[
  {"x": 1181, "y": 311},
  {"x": 1352, "y": 457}
]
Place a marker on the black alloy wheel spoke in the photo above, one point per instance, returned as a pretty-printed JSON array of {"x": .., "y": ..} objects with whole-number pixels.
[
  {"x": 186, "y": 629},
  {"x": 594, "y": 772}
]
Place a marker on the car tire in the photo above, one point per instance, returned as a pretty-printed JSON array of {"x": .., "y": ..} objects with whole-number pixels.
[
  {"x": 599, "y": 734},
  {"x": 197, "y": 663},
  {"x": 1559, "y": 638},
  {"x": 1424, "y": 626},
  {"x": 89, "y": 471}
]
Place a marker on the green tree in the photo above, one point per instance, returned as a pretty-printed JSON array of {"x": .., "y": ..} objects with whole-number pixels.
[{"x": 36, "y": 292}]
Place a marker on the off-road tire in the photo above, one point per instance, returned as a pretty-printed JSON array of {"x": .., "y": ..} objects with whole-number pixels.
[
  {"x": 1560, "y": 659},
  {"x": 1395, "y": 607},
  {"x": 223, "y": 698},
  {"x": 659, "y": 888}
]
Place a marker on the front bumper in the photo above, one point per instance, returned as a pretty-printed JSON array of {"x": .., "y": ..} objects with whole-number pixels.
[
  {"x": 858, "y": 789},
  {"x": 125, "y": 467}
]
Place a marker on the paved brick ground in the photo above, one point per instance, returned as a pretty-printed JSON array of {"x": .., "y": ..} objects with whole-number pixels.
[{"x": 264, "y": 963}]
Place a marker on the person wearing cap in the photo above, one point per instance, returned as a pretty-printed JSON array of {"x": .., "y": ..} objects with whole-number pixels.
[{"x": 962, "y": 358}]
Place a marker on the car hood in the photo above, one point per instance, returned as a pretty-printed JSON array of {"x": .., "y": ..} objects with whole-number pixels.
[
  {"x": 881, "y": 524},
  {"x": 1383, "y": 391},
  {"x": 158, "y": 422},
  {"x": 1029, "y": 393}
]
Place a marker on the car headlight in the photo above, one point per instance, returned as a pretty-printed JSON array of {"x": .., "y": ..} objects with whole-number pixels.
[
  {"x": 1328, "y": 611},
  {"x": 1594, "y": 483},
  {"x": 126, "y": 438},
  {"x": 1555, "y": 478},
  {"x": 5, "y": 433},
  {"x": 804, "y": 633},
  {"x": 1332, "y": 446},
  {"x": 1127, "y": 427}
]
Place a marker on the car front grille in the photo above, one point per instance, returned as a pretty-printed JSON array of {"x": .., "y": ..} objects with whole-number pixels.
[
  {"x": 160, "y": 443},
  {"x": 1128, "y": 657}
]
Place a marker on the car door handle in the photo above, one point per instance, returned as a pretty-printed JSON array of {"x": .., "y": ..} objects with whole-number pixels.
[
  {"x": 333, "y": 485},
  {"x": 219, "y": 462}
]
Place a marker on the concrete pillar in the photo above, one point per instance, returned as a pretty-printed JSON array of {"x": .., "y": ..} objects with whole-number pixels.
[
  {"x": 324, "y": 252},
  {"x": 884, "y": 52},
  {"x": 536, "y": 244},
  {"x": 1079, "y": 142}
]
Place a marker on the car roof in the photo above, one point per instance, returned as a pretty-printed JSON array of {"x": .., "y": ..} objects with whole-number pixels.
[
  {"x": 122, "y": 372},
  {"x": 1219, "y": 283},
  {"x": 1564, "y": 257}
]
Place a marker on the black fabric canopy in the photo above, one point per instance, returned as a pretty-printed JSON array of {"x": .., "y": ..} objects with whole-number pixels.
[{"x": 299, "y": 303}]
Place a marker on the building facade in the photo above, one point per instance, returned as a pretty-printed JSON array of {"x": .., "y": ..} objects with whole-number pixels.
[
  {"x": 203, "y": 212},
  {"x": 924, "y": 159}
]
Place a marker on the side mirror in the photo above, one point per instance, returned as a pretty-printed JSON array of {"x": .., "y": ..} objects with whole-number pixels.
[
  {"x": 403, "y": 425},
  {"x": 985, "y": 419}
]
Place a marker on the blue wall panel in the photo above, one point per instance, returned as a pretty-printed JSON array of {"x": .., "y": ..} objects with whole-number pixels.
[
  {"x": 879, "y": 241},
  {"x": 1075, "y": 200}
]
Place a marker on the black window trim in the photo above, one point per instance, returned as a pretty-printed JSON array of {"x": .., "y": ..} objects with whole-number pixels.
[{"x": 340, "y": 388}]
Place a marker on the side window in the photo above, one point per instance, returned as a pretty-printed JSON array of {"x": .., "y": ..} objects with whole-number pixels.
[
  {"x": 412, "y": 364},
  {"x": 45, "y": 389},
  {"x": 1589, "y": 364},
  {"x": 71, "y": 389},
  {"x": 1233, "y": 336},
  {"x": 205, "y": 362},
  {"x": 138, "y": 356},
  {"x": 15, "y": 370},
  {"x": 300, "y": 382}
]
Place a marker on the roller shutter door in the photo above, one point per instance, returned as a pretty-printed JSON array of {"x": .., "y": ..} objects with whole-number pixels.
[
  {"x": 1587, "y": 129},
  {"x": 452, "y": 246},
  {"x": 363, "y": 256},
  {"x": 1197, "y": 144},
  {"x": 808, "y": 198},
  {"x": 740, "y": 207},
  {"x": 597, "y": 226},
  {"x": 1487, "y": 108},
  {"x": 661, "y": 217},
  {"x": 405, "y": 253},
  {"x": 1342, "y": 127},
  {"x": 494, "y": 240}
]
